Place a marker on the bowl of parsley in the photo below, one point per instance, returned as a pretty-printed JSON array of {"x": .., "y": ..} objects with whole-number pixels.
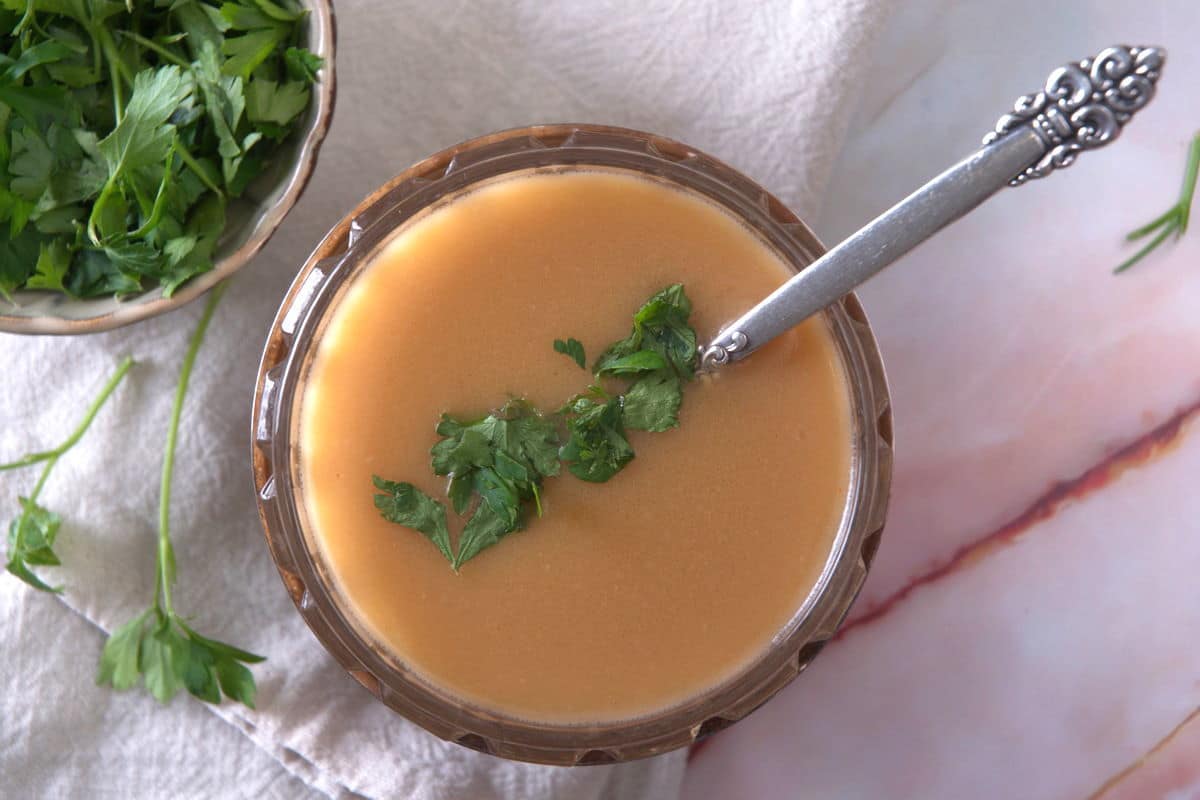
[{"x": 149, "y": 150}]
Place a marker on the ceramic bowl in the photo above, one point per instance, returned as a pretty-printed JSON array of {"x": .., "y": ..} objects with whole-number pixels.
[{"x": 252, "y": 219}]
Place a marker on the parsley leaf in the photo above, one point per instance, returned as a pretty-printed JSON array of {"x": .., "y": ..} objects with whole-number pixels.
[
  {"x": 484, "y": 529},
  {"x": 502, "y": 459},
  {"x": 246, "y": 53},
  {"x": 53, "y": 263},
  {"x": 31, "y": 543},
  {"x": 143, "y": 136},
  {"x": 224, "y": 102},
  {"x": 302, "y": 65},
  {"x": 121, "y": 657},
  {"x": 518, "y": 430},
  {"x": 161, "y": 650},
  {"x": 597, "y": 449},
  {"x": 573, "y": 349},
  {"x": 661, "y": 325},
  {"x": 634, "y": 364},
  {"x": 652, "y": 403},
  {"x": 275, "y": 103},
  {"x": 407, "y": 505}
]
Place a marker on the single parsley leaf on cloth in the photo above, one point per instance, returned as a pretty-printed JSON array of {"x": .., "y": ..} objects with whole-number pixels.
[
  {"x": 405, "y": 504},
  {"x": 31, "y": 538},
  {"x": 32, "y": 533},
  {"x": 573, "y": 349},
  {"x": 120, "y": 659},
  {"x": 158, "y": 647},
  {"x": 163, "y": 652}
]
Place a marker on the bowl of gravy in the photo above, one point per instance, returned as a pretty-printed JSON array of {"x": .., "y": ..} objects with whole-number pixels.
[{"x": 633, "y": 616}]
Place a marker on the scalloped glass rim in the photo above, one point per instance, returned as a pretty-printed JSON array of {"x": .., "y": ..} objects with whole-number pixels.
[
  {"x": 253, "y": 219},
  {"x": 289, "y": 348}
]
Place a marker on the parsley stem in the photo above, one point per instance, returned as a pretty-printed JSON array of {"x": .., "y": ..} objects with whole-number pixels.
[
  {"x": 117, "y": 69},
  {"x": 158, "y": 49},
  {"x": 1191, "y": 173},
  {"x": 26, "y": 18},
  {"x": 118, "y": 100},
  {"x": 1175, "y": 219},
  {"x": 160, "y": 202},
  {"x": 73, "y": 439},
  {"x": 166, "y": 558},
  {"x": 113, "y": 53},
  {"x": 51, "y": 456},
  {"x": 1167, "y": 216},
  {"x": 93, "y": 230},
  {"x": 1140, "y": 254},
  {"x": 194, "y": 166}
]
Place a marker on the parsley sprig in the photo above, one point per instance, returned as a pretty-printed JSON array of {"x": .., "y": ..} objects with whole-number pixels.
[
  {"x": 499, "y": 463},
  {"x": 1175, "y": 219},
  {"x": 157, "y": 646},
  {"x": 32, "y": 533},
  {"x": 125, "y": 129}
]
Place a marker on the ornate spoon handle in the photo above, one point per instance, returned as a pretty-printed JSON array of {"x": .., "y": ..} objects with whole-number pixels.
[{"x": 1083, "y": 106}]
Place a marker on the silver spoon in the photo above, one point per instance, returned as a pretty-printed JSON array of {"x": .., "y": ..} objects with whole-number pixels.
[{"x": 1083, "y": 106}]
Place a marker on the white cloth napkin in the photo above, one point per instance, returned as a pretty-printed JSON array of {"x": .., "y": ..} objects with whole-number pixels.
[{"x": 768, "y": 87}]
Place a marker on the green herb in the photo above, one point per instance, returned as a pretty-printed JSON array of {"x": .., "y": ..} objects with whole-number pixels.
[
  {"x": 498, "y": 464},
  {"x": 158, "y": 647},
  {"x": 659, "y": 354},
  {"x": 125, "y": 131},
  {"x": 652, "y": 403},
  {"x": 573, "y": 349},
  {"x": 407, "y": 505},
  {"x": 597, "y": 449},
  {"x": 660, "y": 326},
  {"x": 32, "y": 533},
  {"x": 1175, "y": 219}
]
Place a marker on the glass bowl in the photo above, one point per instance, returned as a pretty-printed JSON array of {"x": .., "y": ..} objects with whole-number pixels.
[{"x": 291, "y": 345}]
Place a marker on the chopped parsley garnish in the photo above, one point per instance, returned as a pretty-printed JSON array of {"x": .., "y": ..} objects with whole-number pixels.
[{"x": 497, "y": 465}]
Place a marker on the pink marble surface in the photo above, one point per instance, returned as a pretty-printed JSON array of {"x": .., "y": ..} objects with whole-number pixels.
[{"x": 1030, "y": 628}]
